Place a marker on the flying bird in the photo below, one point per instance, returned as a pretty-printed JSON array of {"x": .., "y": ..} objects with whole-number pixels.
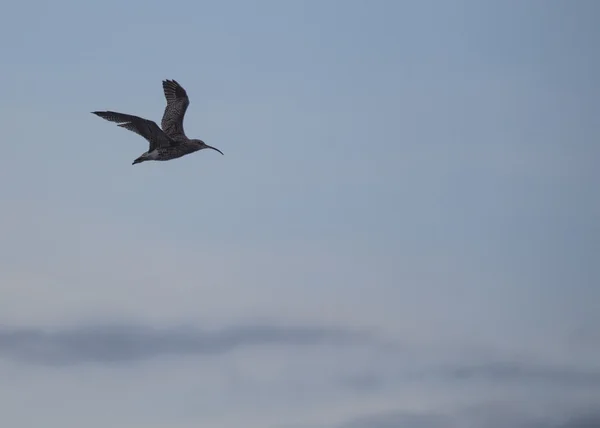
[{"x": 167, "y": 143}]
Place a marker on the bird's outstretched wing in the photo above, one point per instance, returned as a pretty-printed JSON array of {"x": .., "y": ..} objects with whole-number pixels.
[
  {"x": 177, "y": 104},
  {"x": 144, "y": 127}
]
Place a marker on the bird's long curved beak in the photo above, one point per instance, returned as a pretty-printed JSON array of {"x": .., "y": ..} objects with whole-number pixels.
[{"x": 214, "y": 148}]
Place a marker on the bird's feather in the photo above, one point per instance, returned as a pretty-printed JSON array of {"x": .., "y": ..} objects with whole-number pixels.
[
  {"x": 177, "y": 104},
  {"x": 144, "y": 127}
]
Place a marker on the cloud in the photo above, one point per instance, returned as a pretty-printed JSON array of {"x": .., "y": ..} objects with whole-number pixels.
[
  {"x": 391, "y": 373},
  {"x": 494, "y": 415},
  {"x": 125, "y": 343},
  {"x": 591, "y": 420},
  {"x": 396, "y": 420},
  {"x": 520, "y": 371}
]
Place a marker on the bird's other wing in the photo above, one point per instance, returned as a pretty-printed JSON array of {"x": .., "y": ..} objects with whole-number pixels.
[
  {"x": 177, "y": 104},
  {"x": 144, "y": 127}
]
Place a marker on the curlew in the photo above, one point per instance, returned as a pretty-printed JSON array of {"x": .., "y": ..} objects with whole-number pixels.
[{"x": 167, "y": 143}]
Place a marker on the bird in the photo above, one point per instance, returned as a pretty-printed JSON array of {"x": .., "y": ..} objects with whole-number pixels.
[{"x": 169, "y": 140}]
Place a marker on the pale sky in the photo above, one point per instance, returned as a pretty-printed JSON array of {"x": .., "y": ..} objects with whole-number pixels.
[{"x": 403, "y": 231}]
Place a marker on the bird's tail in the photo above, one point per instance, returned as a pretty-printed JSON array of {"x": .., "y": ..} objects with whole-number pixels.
[{"x": 139, "y": 160}]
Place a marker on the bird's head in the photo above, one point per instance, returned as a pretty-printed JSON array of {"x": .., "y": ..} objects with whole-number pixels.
[{"x": 202, "y": 145}]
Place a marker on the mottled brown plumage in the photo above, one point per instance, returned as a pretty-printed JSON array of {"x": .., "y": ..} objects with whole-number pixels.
[{"x": 167, "y": 143}]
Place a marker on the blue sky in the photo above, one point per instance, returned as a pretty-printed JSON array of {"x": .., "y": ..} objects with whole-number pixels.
[{"x": 403, "y": 229}]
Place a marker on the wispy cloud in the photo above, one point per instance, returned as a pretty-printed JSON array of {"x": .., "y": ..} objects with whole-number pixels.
[
  {"x": 520, "y": 371},
  {"x": 124, "y": 343},
  {"x": 507, "y": 372},
  {"x": 395, "y": 420},
  {"x": 484, "y": 416},
  {"x": 591, "y": 420}
]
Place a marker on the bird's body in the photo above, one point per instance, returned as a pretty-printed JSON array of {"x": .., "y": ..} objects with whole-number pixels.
[
  {"x": 167, "y": 143},
  {"x": 168, "y": 153}
]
